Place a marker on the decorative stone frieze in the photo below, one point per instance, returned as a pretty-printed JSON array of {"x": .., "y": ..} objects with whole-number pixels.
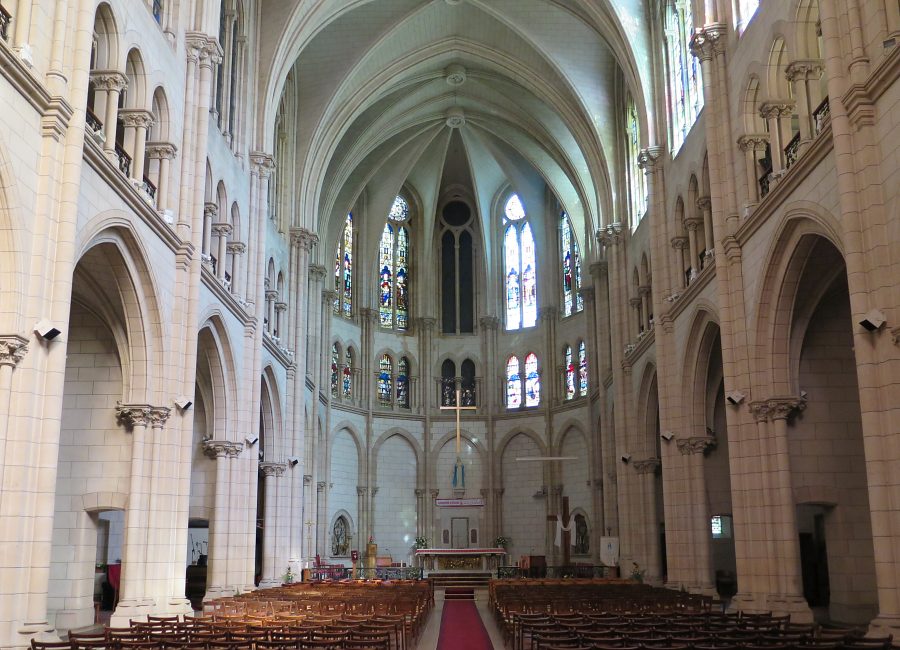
[
  {"x": 695, "y": 445},
  {"x": 13, "y": 349}
]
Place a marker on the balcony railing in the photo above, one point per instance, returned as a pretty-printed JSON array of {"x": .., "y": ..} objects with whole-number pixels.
[
  {"x": 93, "y": 121},
  {"x": 124, "y": 160},
  {"x": 5, "y": 19},
  {"x": 822, "y": 115},
  {"x": 766, "y": 163},
  {"x": 791, "y": 151},
  {"x": 149, "y": 188}
]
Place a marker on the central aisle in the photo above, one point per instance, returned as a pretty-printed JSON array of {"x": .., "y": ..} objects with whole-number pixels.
[{"x": 462, "y": 627}]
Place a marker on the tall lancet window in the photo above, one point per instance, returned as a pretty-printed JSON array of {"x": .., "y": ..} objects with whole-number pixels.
[
  {"x": 393, "y": 264},
  {"x": 520, "y": 266},
  {"x": 685, "y": 81},
  {"x": 343, "y": 271},
  {"x": 746, "y": 9},
  {"x": 571, "y": 268},
  {"x": 569, "y": 373},
  {"x": 513, "y": 384},
  {"x": 634, "y": 175},
  {"x": 347, "y": 385},
  {"x": 335, "y": 369},
  {"x": 582, "y": 370},
  {"x": 532, "y": 381},
  {"x": 403, "y": 384},
  {"x": 457, "y": 270},
  {"x": 385, "y": 379}
]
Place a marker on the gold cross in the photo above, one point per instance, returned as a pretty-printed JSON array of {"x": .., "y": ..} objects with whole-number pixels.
[{"x": 458, "y": 408}]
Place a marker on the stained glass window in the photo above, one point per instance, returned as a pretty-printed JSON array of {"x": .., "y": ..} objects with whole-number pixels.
[
  {"x": 637, "y": 182},
  {"x": 532, "y": 381},
  {"x": 571, "y": 269},
  {"x": 335, "y": 374},
  {"x": 385, "y": 379},
  {"x": 343, "y": 271},
  {"x": 513, "y": 384},
  {"x": 348, "y": 375},
  {"x": 386, "y": 279},
  {"x": 520, "y": 268},
  {"x": 399, "y": 210},
  {"x": 582, "y": 370},
  {"x": 570, "y": 373},
  {"x": 393, "y": 273},
  {"x": 513, "y": 306},
  {"x": 685, "y": 79},
  {"x": 403, "y": 383},
  {"x": 747, "y": 9}
]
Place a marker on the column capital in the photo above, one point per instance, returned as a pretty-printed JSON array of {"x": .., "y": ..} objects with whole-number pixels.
[
  {"x": 133, "y": 415},
  {"x": 704, "y": 203},
  {"x": 222, "y": 448},
  {"x": 646, "y": 466},
  {"x": 307, "y": 479},
  {"x": 12, "y": 349},
  {"x": 708, "y": 41},
  {"x": 548, "y": 313},
  {"x": 109, "y": 80},
  {"x": 272, "y": 469},
  {"x": 236, "y": 248},
  {"x": 420, "y": 492},
  {"x": 361, "y": 490},
  {"x": 135, "y": 117},
  {"x": 161, "y": 150},
  {"x": 222, "y": 229},
  {"x": 317, "y": 271},
  {"x": 648, "y": 158},
  {"x": 262, "y": 163},
  {"x": 610, "y": 235},
  {"x": 210, "y": 210},
  {"x": 159, "y": 415},
  {"x": 777, "y": 108},
  {"x": 280, "y": 306},
  {"x": 695, "y": 445},
  {"x": 634, "y": 302},
  {"x": 680, "y": 242},
  {"x": 759, "y": 410},
  {"x": 786, "y": 407},
  {"x": 489, "y": 322},
  {"x": 369, "y": 314},
  {"x": 644, "y": 290},
  {"x": 320, "y": 486},
  {"x": 271, "y": 294},
  {"x": 804, "y": 69},
  {"x": 499, "y": 491},
  {"x": 693, "y": 223},
  {"x": 329, "y": 296},
  {"x": 599, "y": 268},
  {"x": 435, "y": 493},
  {"x": 753, "y": 142},
  {"x": 304, "y": 238}
]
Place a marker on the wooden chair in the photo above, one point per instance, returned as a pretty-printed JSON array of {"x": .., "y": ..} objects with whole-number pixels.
[{"x": 50, "y": 645}]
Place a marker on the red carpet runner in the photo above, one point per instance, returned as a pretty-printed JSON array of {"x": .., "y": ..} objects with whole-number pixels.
[{"x": 461, "y": 628}]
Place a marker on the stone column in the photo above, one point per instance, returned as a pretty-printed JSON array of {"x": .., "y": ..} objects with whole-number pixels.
[
  {"x": 680, "y": 244},
  {"x": 753, "y": 147},
  {"x": 158, "y": 557},
  {"x": 22, "y": 31},
  {"x": 13, "y": 349},
  {"x": 112, "y": 83},
  {"x": 133, "y": 600},
  {"x": 550, "y": 316},
  {"x": 777, "y": 115},
  {"x": 704, "y": 204},
  {"x": 164, "y": 153},
  {"x": 321, "y": 517},
  {"x": 271, "y": 568},
  {"x": 420, "y": 512},
  {"x": 434, "y": 532},
  {"x": 223, "y": 451},
  {"x": 693, "y": 450},
  {"x": 692, "y": 224},
  {"x": 644, "y": 293},
  {"x": 804, "y": 76},
  {"x": 646, "y": 470},
  {"x": 278, "y": 330},
  {"x": 136, "y": 121},
  {"x": 361, "y": 526},
  {"x": 236, "y": 251},
  {"x": 210, "y": 212},
  {"x": 221, "y": 232},
  {"x": 635, "y": 320},
  {"x": 498, "y": 514}
]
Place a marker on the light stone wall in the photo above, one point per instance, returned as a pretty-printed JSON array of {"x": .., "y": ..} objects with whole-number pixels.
[
  {"x": 395, "y": 502},
  {"x": 343, "y": 480},
  {"x": 523, "y": 512}
]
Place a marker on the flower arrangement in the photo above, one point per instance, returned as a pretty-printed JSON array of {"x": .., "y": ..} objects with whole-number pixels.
[
  {"x": 637, "y": 573},
  {"x": 501, "y": 541},
  {"x": 421, "y": 542},
  {"x": 288, "y": 577}
]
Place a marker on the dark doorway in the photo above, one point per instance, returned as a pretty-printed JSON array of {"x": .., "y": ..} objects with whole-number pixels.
[{"x": 814, "y": 556}]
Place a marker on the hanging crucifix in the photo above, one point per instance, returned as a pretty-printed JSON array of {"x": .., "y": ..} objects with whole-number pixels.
[{"x": 459, "y": 470}]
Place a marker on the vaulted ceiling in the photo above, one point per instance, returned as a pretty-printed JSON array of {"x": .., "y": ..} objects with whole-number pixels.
[{"x": 380, "y": 86}]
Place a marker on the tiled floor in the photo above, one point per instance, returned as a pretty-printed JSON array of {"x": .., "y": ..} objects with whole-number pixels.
[{"x": 429, "y": 638}]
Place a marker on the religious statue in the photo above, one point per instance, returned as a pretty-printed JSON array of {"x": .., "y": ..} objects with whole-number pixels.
[
  {"x": 582, "y": 540},
  {"x": 459, "y": 474},
  {"x": 339, "y": 543}
]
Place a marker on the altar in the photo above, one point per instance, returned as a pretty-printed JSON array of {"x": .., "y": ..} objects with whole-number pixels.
[{"x": 449, "y": 559}]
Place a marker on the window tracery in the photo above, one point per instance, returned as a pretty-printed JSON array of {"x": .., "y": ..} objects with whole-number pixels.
[
  {"x": 393, "y": 264},
  {"x": 685, "y": 79},
  {"x": 520, "y": 264},
  {"x": 343, "y": 271},
  {"x": 571, "y": 269}
]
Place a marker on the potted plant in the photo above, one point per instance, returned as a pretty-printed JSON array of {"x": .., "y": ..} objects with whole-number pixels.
[
  {"x": 288, "y": 577},
  {"x": 501, "y": 541},
  {"x": 637, "y": 573},
  {"x": 421, "y": 542}
]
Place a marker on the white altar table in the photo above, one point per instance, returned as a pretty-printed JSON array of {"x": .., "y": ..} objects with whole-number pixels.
[{"x": 432, "y": 557}]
